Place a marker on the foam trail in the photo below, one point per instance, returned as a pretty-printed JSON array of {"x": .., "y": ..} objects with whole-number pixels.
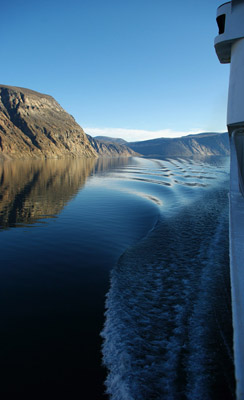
[
  {"x": 207, "y": 318},
  {"x": 167, "y": 313}
]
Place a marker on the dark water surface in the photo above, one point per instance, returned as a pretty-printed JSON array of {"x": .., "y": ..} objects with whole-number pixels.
[{"x": 151, "y": 233}]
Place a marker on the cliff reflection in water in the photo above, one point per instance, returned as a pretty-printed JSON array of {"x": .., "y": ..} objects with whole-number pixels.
[{"x": 38, "y": 189}]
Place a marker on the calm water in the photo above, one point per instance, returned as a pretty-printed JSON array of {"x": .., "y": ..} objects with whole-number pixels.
[{"x": 153, "y": 235}]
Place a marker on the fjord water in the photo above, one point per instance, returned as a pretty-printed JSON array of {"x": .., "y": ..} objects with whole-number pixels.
[{"x": 153, "y": 235}]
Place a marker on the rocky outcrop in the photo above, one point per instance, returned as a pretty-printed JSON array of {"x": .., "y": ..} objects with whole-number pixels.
[
  {"x": 111, "y": 149},
  {"x": 204, "y": 144},
  {"x": 35, "y": 125}
]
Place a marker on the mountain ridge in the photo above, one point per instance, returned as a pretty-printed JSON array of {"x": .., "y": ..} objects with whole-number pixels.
[
  {"x": 204, "y": 144},
  {"x": 110, "y": 139},
  {"x": 34, "y": 125}
]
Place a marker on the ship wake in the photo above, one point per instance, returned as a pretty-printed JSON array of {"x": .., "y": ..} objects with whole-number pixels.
[{"x": 168, "y": 330}]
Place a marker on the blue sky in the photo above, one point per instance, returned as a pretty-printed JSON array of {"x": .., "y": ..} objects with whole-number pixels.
[{"x": 136, "y": 69}]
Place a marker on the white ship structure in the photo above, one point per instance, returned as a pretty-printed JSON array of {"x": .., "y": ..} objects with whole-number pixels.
[{"x": 229, "y": 46}]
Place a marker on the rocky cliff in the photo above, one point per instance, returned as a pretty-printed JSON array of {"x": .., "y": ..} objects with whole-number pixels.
[
  {"x": 34, "y": 125},
  {"x": 204, "y": 144}
]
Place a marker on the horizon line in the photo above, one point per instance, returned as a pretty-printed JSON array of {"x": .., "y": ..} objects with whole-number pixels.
[{"x": 135, "y": 135}]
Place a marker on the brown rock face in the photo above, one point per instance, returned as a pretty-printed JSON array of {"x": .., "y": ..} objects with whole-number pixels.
[{"x": 35, "y": 125}]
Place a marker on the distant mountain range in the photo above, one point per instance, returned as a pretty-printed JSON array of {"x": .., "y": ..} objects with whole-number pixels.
[
  {"x": 203, "y": 144},
  {"x": 111, "y": 140},
  {"x": 34, "y": 125}
]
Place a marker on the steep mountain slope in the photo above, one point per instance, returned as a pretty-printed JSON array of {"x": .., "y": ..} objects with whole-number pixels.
[
  {"x": 205, "y": 144},
  {"x": 34, "y": 125}
]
